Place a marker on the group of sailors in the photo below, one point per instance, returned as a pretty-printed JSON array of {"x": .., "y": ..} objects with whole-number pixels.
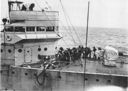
[
  {"x": 79, "y": 54},
  {"x": 76, "y": 53},
  {"x": 20, "y": 6},
  {"x": 30, "y": 7}
]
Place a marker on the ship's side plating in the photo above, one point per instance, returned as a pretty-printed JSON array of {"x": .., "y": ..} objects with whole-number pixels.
[{"x": 23, "y": 79}]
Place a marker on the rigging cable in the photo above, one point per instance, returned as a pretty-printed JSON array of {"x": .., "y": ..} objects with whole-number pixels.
[
  {"x": 69, "y": 29},
  {"x": 69, "y": 33},
  {"x": 48, "y": 5},
  {"x": 70, "y": 22},
  {"x": 49, "y": 19},
  {"x": 67, "y": 23},
  {"x": 44, "y": 13}
]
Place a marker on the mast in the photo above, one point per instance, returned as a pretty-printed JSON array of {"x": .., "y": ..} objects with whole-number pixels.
[
  {"x": 86, "y": 42},
  {"x": 87, "y": 25},
  {"x": 86, "y": 34}
]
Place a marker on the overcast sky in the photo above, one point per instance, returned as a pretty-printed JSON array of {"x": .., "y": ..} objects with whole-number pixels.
[{"x": 103, "y": 13}]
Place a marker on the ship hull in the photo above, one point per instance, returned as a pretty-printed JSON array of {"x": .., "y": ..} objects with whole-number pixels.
[{"x": 24, "y": 79}]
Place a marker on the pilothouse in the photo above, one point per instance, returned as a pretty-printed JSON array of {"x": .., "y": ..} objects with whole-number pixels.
[{"x": 29, "y": 34}]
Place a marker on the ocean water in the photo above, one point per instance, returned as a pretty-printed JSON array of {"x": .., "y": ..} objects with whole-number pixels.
[{"x": 99, "y": 37}]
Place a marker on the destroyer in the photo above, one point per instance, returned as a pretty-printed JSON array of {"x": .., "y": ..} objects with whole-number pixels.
[{"x": 31, "y": 36}]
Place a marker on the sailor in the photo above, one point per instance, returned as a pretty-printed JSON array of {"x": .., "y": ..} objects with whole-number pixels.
[
  {"x": 75, "y": 54},
  {"x": 89, "y": 52},
  {"x": 86, "y": 52},
  {"x": 23, "y": 8},
  {"x": 98, "y": 53},
  {"x": 101, "y": 53},
  {"x": 94, "y": 52},
  {"x": 80, "y": 49},
  {"x": 69, "y": 52},
  {"x": 66, "y": 57},
  {"x": 56, "y": 52},
  {"x": 31, "y": 7},
  {"x": 61, "y": 49},
  {"x": 60, "y": 53}
]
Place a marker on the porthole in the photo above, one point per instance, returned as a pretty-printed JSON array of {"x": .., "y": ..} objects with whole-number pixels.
[
  {"x": 86, "y": 79},
  {"x": 39, "y": 49},
  {"x": 1, "y": 50},
  {"x": 35, "y": 74},
  {"x": 26, "y": 74},
  {"x": 97, "y": 80},
  {"x": 19, "y": 50},
  {"x": 45, "y": 49},
  {"x": 109, "y": 81},
  {"x": 27, "y": 51},
  {"x": 59, "y": 76},
  {"x": 13, "y": 72},
  {"x": 9, "y": 51}
]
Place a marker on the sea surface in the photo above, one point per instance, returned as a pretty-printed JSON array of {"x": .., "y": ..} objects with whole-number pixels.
[{"x": 98, "y": 37}]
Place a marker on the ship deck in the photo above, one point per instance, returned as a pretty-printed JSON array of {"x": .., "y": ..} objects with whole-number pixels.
[
  {"x": 96, "y": 67},
  {"x": 92, "y": 67},
  {"x": 94, "y": 71}
]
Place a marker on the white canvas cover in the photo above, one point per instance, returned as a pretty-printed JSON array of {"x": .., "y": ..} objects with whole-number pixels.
[
  {"x": 110, "y": 56},
  {"x": 111, "y": 53}
]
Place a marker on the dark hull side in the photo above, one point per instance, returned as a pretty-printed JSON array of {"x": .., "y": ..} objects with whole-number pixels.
[{"x": 23, "y": 79}]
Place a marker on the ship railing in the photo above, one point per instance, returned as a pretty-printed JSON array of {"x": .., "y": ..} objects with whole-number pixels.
[{"x": 33, "y": 15}]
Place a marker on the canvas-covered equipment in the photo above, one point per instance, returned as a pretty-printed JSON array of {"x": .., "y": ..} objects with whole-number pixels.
[{"x": 110, "y": 56}]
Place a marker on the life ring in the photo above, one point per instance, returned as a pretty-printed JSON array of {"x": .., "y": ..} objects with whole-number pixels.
[{"x": 8, "y": 38}]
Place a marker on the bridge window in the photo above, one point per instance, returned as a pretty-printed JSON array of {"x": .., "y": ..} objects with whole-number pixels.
[
  {"x": 40, "y": 28},
  {"x": 51, "y": 28},
  {"x": 30, "y": 29},
  {"x": 9, "y": 29},
  {"x": 19, "y": 29}
]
